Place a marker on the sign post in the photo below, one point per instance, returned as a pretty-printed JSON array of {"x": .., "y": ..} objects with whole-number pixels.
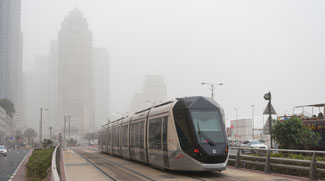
[{"x": 269, "y": 110}]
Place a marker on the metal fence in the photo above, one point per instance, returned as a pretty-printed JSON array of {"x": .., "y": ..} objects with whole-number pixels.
[
  {"x": 58, "y": 160},
  {"x": 263, "y": 159},
  {"x": 55, "y": 166}
]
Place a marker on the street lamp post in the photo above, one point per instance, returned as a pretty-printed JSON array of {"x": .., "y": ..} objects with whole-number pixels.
[
  {"x": 253, "y": 121},
  {"x": 236, "y": 123},
  {"x": 50, "y": 132},
  {"x": 212, "y": 87},
  {"x": 64, "y": 139},
  {"x": 40, "y": 126}
]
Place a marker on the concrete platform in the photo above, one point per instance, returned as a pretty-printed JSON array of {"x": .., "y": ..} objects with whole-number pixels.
[{"x": 78, "y": 169}]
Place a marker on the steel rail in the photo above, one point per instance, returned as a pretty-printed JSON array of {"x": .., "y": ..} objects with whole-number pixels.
[
  {"x": 116, "y": 164},
  {"x": 97, "y": 167}
]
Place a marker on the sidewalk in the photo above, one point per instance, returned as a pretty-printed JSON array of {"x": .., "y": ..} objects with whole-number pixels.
[{"x": 77, "y": 168}]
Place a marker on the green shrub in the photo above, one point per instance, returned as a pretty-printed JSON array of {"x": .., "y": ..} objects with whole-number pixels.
[{"x": 38, "y": 164}]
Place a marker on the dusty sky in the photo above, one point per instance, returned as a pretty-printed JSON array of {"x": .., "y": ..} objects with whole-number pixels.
[{"x": 251, "y": 46}]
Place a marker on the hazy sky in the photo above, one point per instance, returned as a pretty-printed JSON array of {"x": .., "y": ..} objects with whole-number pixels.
[{"x": 251, "y": 46}]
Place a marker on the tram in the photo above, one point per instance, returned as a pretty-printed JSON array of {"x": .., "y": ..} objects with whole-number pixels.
[{"x": 186, "y": 134}]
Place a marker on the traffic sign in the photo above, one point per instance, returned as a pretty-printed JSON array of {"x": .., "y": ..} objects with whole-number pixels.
[
  {"x": 267, "y": 109},
  {"x": 266, "y": 127}
]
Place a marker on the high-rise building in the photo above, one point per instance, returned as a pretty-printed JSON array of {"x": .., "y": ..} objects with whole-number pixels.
[
  {"x": 154, "y": 91},
  {"x": 11, "y": 54},
  {"x": 75, "y": 76},
  {"x": 53, "y": 84},
  {"x": 36, "y": 94},
  {"x": 101, "y": 85}
]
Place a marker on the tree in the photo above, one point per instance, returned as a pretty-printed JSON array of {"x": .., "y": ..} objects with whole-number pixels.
[
  {"x": 309, "y": 138},
  {"x": 292, "y": 133},
  {"x": 91, "y": 136},
  {"x": 8, "y": 106},
  {"x": 19, "y": 136},
  {"x": 30, "y": 133}
]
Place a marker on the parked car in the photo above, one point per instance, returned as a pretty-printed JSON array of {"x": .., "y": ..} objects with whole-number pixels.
[
  {"x": 262, "y": 141},
  {"x": 3, "y": 150},
  {"x": 255, "y": 144}
]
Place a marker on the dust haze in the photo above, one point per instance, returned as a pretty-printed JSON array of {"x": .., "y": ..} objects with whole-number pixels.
[{"x": 252, "y": 47}]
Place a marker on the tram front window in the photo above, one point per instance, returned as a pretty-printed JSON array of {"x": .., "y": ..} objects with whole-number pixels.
[{"x": 208, "y": 126}]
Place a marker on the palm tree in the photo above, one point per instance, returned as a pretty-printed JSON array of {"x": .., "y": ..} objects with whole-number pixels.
[{"x": 30, "y": 133}]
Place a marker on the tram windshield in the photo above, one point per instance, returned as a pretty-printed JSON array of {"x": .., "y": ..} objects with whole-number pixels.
[{"x": 208, "y": 126}]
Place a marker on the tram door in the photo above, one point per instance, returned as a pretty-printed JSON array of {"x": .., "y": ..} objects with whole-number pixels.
[{"x": 158, "y": 151}]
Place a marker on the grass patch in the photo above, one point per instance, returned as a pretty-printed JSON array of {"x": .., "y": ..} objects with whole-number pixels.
[{"x": 38, "y": 164}]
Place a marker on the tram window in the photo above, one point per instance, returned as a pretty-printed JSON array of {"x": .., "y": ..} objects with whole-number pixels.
[
  {"x": 100, "y": 138},
  {"x": 209, "y": 124},
  {"x": 141, "y": 134},
  {"x": 133, "y": 135},
  {"x": 165, "y": 125},
  {"x": 184, "y": 131},
  {"x": 124, "y": 134},
  {"x": 155, "y": 133},
  {"x": 113, "y": 137},
  {"x": 116, "y": 136},
  {"x": 136, "y": 134},
  {"x": 104, "y": 138},
  {"x": 109, "y": 137}
]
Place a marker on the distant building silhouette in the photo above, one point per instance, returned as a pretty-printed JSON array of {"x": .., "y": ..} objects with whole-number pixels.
[
  {"x": 101, "y": 66},
  {"x": 53, "y": 71},
  {"x": 75, "y": 76},
  {"x": 37, "y": 95},
  {"x": 154, "y": 91}
]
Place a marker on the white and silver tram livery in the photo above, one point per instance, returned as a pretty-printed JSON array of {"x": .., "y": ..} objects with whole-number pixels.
[{"x": 186, "y": 134}]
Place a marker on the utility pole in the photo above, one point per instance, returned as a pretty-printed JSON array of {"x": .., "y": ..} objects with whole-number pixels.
[
  {"x": 270, "y": 118},
  {"x": 212, "y": 91},
  {"x": 69, "y": 132},
  {"x": 212, "y": 87},
  {"x": 65, "y": 120},
  {"x": 64, "y": 146},
  {"x": 40, "y": 127},
  {"x": 269, "y": 111},
  {"x": 253, "y": 120},
  {"x": 40, "y": 130},
  {"x": 50, "y": 132},
  {"x": 236, "y": 123}
]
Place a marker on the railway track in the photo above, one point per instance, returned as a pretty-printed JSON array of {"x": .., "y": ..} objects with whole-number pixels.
[
  {"x": 112, "y": 170},
  {"x": 115, "y": 168}
]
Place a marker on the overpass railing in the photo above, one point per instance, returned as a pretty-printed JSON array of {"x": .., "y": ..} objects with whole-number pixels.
[
  {"x": 55, "y": 164},
  {"x": 303, "y": 163}
]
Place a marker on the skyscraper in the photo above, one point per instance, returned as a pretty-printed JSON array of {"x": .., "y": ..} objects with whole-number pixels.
[
  {"x": 11, "y": 54},
  {"x": 53, "y": 84},
  {"x": 154, "y": 91},
  {"x": 36, "y": 94},
  {"x": 101, "y": 85},
  {"x": 75, "y": 76}
]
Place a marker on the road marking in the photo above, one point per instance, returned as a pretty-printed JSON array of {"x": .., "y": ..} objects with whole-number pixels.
[{"x": 13, "y": 175}]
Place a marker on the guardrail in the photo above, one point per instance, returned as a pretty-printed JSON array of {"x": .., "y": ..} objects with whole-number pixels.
[
  {"x": 55, "y": 165},
  {"x": 263, "y": 159}
]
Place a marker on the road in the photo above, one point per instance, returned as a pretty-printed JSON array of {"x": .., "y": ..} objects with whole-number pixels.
[
  {"x": 9, "y": 164},
  {"x": 119, "y": 169}
]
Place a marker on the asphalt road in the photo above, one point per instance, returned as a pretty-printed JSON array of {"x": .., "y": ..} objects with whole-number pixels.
[{"x": 9, "y": 163}]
